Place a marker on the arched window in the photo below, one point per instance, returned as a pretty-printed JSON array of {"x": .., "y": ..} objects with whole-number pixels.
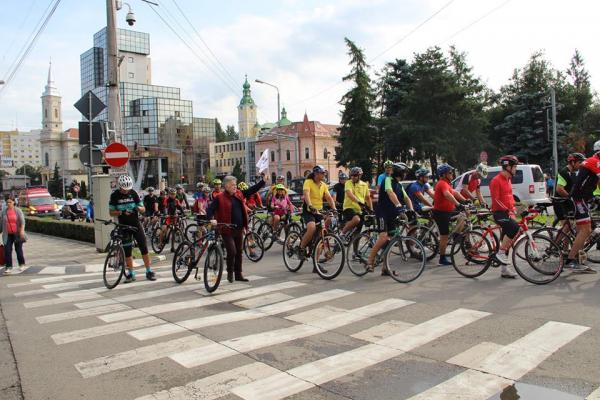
[
  {"x": 56, "y": 113},
  {"x": 273, "y": 177},
  {"x": 325, "y": 153},
  {"x": 272, "y": 156},
  {"x": 45, "y": 113},
  {"x": 289, "y": 177},
  {"x": 287, "y": 155}
]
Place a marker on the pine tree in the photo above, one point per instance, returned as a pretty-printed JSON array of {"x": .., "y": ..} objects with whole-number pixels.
[
  {"x": 237, "y": 171},
  {"x": 219, "y": 134},
  {"x": 357, "y": 130}
]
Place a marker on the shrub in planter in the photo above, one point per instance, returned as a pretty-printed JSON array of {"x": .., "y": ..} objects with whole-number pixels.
[{"x": 70, "y": 230}]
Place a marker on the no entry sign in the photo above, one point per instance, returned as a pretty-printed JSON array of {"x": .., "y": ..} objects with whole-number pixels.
[{"x": 116, "y": 155}]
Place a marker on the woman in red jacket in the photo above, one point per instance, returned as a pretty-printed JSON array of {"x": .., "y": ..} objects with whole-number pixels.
[{"x": 229, "y": 208}]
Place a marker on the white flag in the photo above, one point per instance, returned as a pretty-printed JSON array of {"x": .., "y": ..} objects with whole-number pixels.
[{"x": 263, "y": 162}]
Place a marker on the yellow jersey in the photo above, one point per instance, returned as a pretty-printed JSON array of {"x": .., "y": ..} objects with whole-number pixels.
[
  {"x": 317, "y": 191},
  {"x": 360, "y": 190}
]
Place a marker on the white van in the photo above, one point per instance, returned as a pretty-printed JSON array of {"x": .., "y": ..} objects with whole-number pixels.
[{"x": 529, "y": 187}]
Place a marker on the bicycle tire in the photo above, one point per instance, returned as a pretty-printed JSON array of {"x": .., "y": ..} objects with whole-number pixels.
[
  {"x": 427, "y": 238},
  {"x": 157, "y": 244},
  {"x": 175, "y": 237},
  {"x": 357, "y": 252},
  {"x": 536, "y": 258},
  {"x": 213, "y": 268},
  {"x": 118, "y": 254},
  {"x": 291, "y": 259},
  {"x": 471, "y": 254},
  {"x": 293, "y": 227},
  {"x": 183, "y": 260},
  {"x": 407, "y": 248},
  {"x": 324, "y": 251},
  {"x": 252, "y": 241},
  {"x": 265, "y": 231},
  {"x": 191, "y": 231}
]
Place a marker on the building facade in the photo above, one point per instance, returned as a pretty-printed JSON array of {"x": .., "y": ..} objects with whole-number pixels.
[{"x": 19, "y": 148}]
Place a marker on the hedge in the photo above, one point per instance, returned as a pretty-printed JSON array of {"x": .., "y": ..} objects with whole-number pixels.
[{"x": 70, "y": 230}]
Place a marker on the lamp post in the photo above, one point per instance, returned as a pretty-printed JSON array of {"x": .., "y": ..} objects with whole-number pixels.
[
  {"x": 328, "y": 167},
  {"x": 278, "y": 121}
]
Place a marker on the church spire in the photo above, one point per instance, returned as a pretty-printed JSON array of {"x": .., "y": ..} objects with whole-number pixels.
[
  {"x": 51, "y": 90},
  {"x": 247, "y": 94}
]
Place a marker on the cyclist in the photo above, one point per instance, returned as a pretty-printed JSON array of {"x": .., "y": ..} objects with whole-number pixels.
[
  {"x": 72, "y": 208},
  {"x": 253, "y": 201},
  {"x": 281, "y": 205},
  {"x": 162, "y": 196},
  {"x": 217, "y": 190},
  {"x": 315, "y": 191},
  {"x": 201, "y": 200},
  {"x": 387, "y": 171},
  {"x": 503, "y": 211},
  {"x": 564, "y": 184},
  {"x": 417, "y": 190},
  {"x": 198, "y": 192},
  {"x": 125, "y": 204},
  {"x": 339, "y": 191},
  {"x": 279, "y": 180},
  {"x": 583, "y": 191},
  {"x": 182, "y": 197},
  {"x": 392, "y": 201},
  {"x": 356, "y": 199},
  {"x": 473, "y": 189},
  {"x": 172, "y": 206},
  {"x": 446, "y": 206},
  {"x": 150, "y": 206}
]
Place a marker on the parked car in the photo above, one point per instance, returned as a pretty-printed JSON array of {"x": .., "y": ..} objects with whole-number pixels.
[
  {"x": 529, "y": 187},
  {"x": 37, "y": 201},
  {"x": 60, "y": 203}
]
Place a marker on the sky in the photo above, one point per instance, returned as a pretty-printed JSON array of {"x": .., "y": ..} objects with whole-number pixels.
[{"x": 297, "y": 45}]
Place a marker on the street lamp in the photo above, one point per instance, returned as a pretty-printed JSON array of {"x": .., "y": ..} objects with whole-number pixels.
[{"x": 278, "y": 122}]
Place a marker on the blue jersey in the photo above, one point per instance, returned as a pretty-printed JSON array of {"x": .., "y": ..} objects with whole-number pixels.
[
  {"x": 380, "y": 178},
  {"x": 417, "y": 187}
]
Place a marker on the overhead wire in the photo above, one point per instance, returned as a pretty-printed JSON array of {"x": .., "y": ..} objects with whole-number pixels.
[{"x": 18, "y": 30}]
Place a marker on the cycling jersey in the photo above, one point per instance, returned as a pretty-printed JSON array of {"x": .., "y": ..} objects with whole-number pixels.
[
  {"x": 254, "y": 201},
  {"x": 385, "y": 208},
  {"x": 340, "y": 192},
  {"x": 281, "y": 205},
  {"x": 440, "y": 202},
  {"x": 149, "y": 202},
  {"x": 587, "y": 179},
  {"x": 565, "y": 178},
  {"x": 472, "y": 186},
  {"x": 381, "y": 178},
  {"x": 360, "y": 190},
  {"x": 130, "y": 202},
  {"x": 502, "y": 194},
  {"x": 317, "y": 191},
  {"x": 413, "y": 189}
]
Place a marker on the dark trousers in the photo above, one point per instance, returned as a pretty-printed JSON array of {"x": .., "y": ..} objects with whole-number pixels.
[
  {"x": 13, "y": 239},
  {"x": 233, "y": 244}
]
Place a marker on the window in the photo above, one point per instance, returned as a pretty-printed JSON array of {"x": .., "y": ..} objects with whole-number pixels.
[
  {"x": 178, "y": 113},
  {"x": 287, "y": 155},
  {"x": 144, "y": 113},
  {"x": 273, "y": 177},
  {"x": 306, "y": 153},
  {"x": 130, "y": 59},
  {"x": 178, "y": 131},
  {"x": 289, "y": 177},
  {"x": 146, "y": 130},
  {"x": 46, "y": 160},
  {"x": 272, "y": 156},
  {"x": 45, "y": 113},
  {"x": 55, "y": 113},
  {"x": 131, "y": 75}
]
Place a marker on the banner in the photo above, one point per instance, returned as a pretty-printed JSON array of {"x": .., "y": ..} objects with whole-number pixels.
[{"x": 263, "y": 162}]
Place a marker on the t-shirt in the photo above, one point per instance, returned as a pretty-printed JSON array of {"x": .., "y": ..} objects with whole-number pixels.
[
  {"x": 360, "y": 190},
  {"x": 502, "y": 194},
  {"x": 317, "y": 191},
  {"x": 129, "y": 201},
  {"x": 11, "y": 221},
  {"x": 340, "y": 192},
  {"x": 565, "y": 178},
  {"x": 440, "y": 202},
  {"x": 380, "y": 178},
  {"x": 149, "y": 202},
  {"x": 413, "y": 189},
  {"x": 587, "y": 179}
]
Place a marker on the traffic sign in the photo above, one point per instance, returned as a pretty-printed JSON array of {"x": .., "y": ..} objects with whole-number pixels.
[
  {"x": 116, "y": 155},
  {"x": 89, "y": 101},
  {"x": 84, "y": 133},
  {"x": 84, "y": 155}
]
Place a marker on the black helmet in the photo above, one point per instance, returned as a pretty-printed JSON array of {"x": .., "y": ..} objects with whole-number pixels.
[
  {"x": 318, "y": 169},
  {"x": 399, "y": 169},
  {"x": 576, "y": 157}
]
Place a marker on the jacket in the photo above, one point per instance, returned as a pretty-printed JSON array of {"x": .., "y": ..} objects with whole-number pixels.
[
  {"x": 221, "y": 207},
  {"x": 4, "y": 222}
]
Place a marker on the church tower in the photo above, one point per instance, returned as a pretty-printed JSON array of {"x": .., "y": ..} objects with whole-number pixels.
[
  {"x": 52, "y": 126},
  {"x": 247, "y": 113}
]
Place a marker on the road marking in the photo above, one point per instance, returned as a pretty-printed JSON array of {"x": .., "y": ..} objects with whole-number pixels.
[
  {"x": 382, "y": 331},
  {"x": 215, "y": 386},
  {"x": 55, "y": 287},
  {"x": 217, "y": 351},
  {"x": 122, "y": 286},
  {"x": 95, "y": 303},
  {"x": 103, "y": 365},
  {"x": 309, "y": 375},
  {"x": 54, "y": 301},
  {"x": 100, "y": 267},
  {"x": 475, "y": 355},
  {"x": 236, "y": 316},
  {"x": 595, "y": 395},
  {"x": 44, "y": 319},
  {"x": 263, "y": 300},
  {"x": 468, "y": 385},
  {"x": 53, "y": 271},
  {"x": 50, "y": 280},
  {"x": 103, "y": 330}
]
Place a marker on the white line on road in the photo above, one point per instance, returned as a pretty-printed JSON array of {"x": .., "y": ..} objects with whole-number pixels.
[
  {"x": 103, "y": 330},
  {"x": 263, "y": 300},
  {"x": 54, "y": 301},
  {"x": 44, "y": 319}
]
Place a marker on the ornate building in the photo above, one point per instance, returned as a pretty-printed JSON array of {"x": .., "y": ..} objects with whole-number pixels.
[{"x": 247, "y": 120}]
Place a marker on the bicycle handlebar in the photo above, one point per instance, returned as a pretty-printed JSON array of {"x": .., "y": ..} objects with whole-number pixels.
[{"x": 116, "y": 224}]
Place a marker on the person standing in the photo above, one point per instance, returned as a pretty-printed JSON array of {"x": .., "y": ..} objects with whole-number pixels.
[
  {"x": 13, "y": 233},
  {"x": 229, "y": 208}
]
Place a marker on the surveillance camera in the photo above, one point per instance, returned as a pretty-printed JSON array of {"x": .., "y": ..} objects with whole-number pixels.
[{"x": 130, "y": 18}]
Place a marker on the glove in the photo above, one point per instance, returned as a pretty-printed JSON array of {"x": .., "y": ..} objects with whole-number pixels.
[
  {"x": 460, "y": 207},
  {"x": 312, "y": 209},
  {"x": 411, "y": 215}
]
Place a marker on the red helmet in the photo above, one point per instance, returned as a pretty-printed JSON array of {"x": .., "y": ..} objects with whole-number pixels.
[
  {"x": 575, "y": 157},
  {"x": 508, "y": 160}
]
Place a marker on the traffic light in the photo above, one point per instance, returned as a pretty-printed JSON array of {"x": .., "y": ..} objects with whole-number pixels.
[{"x": 540, "y": 123}]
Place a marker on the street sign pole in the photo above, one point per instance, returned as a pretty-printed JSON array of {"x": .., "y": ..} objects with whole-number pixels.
[{"x": 91, "y": 163}]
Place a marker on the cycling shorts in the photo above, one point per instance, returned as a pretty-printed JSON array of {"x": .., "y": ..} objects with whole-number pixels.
[
  {"x": 140, "y": 239},
  {"x": 582, "y": 212},
  {"x": 442, "y": 219},
  {"x": 307, "y": 216},
  {"x": 509, "y": 226}
]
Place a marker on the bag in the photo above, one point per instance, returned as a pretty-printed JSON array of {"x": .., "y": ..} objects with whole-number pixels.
[{"x": 2, "y": 261}]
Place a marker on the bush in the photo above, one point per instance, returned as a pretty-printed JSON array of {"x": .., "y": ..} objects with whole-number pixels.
[{"x": 71, "y": 230}]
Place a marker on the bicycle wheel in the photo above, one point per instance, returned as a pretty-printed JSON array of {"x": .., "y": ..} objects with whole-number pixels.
[
  {"x": 428, "y": 239},
  {"x": 253, "y": 247},
  {"x": 176, "y": 238},
  {"x": 563, "y": 240},
  {"x": 329, "y": 256},
  {"x": 592, "y": 248},
  {"x": 184, "y": 261},
  {"x": 114, "y": 267},
  {"x": 265, "y": 231},
  {"x": 291, "y": 248},
  {"x": 191, "y": 232},
  {"x": 357, "y": 252},
  {"x": 404, "y": 257},
  {"x": 213, "y": 268},
  {"x": 158, "y": 244},
  {"x": 293, "y": 227},
  {"x": 471, "y": 254},
  {"x": 537, "y": 259}
]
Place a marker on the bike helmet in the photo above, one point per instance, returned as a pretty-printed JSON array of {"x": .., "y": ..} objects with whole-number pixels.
[
  {"x": 206, "y": 189},
  {"x": 342, "y": 175},
  {"x": 150, "y": 189},
  {"x": 508, "y": 160},
  {"x": 69, "y": 196},
  {"x": 576, "y": 157},
  {"x": 178, "y": 187},
  {"x": 318, "y": 169},
  {"x": 421, "y": 172},
  {"x": 199, "y": 185},
  {"x": 172, "y": 191},
  {"x": 243, "y": 186},
  {"x": 280, "y": 178},
  {"x": 482, "y": 170},
  {"x": 388, "y": 164},
  {"x": 596, "y": 146},
  {"x": 280, "y": 187},
  {"x": 399, "y": 169},
  {"x": 125, "y": 182},
  {"x": 216, "y": 181},
  {"x": 444, "y": 169},
  {"x": 356, "y": 171}
]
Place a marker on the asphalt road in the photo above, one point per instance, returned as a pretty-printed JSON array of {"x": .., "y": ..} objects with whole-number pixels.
[{"x": 294, "y": 335}]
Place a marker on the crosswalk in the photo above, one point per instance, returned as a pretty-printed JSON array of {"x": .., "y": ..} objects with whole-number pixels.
[{"x": 169, "y": 323}]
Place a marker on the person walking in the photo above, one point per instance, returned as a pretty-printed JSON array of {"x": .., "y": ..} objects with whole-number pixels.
[{"x": 13, "y": 233}]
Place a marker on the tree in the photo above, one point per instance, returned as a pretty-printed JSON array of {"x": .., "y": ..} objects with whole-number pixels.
[
  {"x": 231, "y": 134},
  {"x": 34, "y": 173},
  {"x": 237, "y": 171},
  {"x": 55, "y": 184},
  {"x": 357, "y": 130},
  {"x": 219, "y": 134}
]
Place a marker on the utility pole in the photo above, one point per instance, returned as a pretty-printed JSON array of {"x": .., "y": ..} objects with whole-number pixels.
[
  {"x": 114, "y": 108},
  {"x": 554, "y": 134}
]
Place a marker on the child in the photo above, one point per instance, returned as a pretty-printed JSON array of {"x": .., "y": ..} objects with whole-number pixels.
[{"x": 280, "y": 204}]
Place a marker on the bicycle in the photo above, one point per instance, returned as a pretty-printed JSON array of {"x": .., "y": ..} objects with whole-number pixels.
[
  {"x": 322, "y": 248},
  {"x": 285, "y": 226},
  {"x": 188, "y": 255},
  {"x": 472, "y": 254},
  {"x": 173, "y": 234},
  {"x": 253, "y": 245},
  {"x": 114, "y": 263}
]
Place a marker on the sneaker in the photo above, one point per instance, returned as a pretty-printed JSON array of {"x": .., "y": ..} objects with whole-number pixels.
[
  {"x": 301, "y": 253},
  {"x": 508, "y": 273},
  {"x": 580, "y": 268},
  {"x": 444, "y": 261},
  {"x": 150, "y": 276},
  {"x": 129, "y": 277},
  {"x": 8, "y": 271},
  {"x": 22, "y": 267},
  {"x": 500, "y": 258}
]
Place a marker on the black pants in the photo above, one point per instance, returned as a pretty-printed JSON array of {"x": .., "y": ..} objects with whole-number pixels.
[
  {"x": 10, "y": 240},
  {"x": 233, "y": 244}
]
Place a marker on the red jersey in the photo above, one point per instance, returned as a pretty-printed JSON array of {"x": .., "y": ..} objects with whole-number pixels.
[
  {"x": 472, "y": 186},
  {"x": 440, "y": 202},
  {"x": 254, "y": 201},
  {"x": 502, "y": 194}
]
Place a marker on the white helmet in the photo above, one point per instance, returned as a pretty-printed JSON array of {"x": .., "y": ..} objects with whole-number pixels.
[
  {"x": 597, "y": 146},
  {"x": 125, "y": 182},
  {"x": 482, "y": 170}
]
